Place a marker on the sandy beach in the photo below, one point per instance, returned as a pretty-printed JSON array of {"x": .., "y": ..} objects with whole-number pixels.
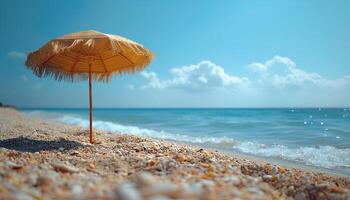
[{"x": 44, "y": 160}]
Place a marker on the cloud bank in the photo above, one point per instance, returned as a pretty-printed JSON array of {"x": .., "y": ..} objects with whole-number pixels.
[
  {"x": 281, "y": 72},
  {"x": 276, "y": 82},
  {"x": 202, "y": 76},
  {"x": 277, "y": 73}
]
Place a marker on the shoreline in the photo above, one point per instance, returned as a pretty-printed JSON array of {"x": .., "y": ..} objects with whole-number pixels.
[
  {"x": 40, "y": 159},
  {"x": 265, "y": 160},
  {"x": 285, "y": 163}
]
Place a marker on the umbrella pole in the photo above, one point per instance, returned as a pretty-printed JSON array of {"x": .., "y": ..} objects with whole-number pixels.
[{"x": 90, "y": 100}]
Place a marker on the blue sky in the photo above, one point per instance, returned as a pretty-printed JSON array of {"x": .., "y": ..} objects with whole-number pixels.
[{"x": 208, "y": 53}]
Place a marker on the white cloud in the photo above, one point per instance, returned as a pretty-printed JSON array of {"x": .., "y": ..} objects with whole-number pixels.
[
  {"x": 277, "y": 82},
  {"x": 17, "y": 55},
  {"x": 205, "y": 75},
  {"x": 257, "y": 67},
  {"x": 281, "y": 72},
  {"x": 153, "y": 81}
]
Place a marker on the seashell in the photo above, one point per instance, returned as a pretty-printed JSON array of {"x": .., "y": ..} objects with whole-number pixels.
[
  {"x": 151, "y": 162},
  {"x": 180, "y": 158},
  {"x": 92, "y": 166},
  {"x": 282, "y": 170},
  {"x": 267, "y": 177},
  {"x": 336, "y": 189}
]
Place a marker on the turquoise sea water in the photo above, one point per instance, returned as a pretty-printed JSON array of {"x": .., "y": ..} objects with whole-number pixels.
[{"x": 318, "y": 137}]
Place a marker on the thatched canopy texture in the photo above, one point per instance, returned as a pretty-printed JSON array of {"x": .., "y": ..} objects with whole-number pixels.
[{"x": 68, "y": 57}]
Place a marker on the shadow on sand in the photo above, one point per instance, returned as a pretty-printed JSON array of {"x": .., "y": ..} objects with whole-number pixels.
[{"x": 31, "y": 145}]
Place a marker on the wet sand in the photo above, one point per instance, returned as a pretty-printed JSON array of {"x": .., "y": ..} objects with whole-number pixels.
[{"x": 44, "y": 160}]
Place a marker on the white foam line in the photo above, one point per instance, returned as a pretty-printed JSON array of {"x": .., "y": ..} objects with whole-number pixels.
[
  {"x": 322, "y": 156},
  {"x": 115, "y": 127}
]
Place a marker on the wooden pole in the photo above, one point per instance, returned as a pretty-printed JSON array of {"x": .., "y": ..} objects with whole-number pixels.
[{"x": 90, "y": 97}]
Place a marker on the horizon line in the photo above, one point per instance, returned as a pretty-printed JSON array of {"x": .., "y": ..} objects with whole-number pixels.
[{"x": 277, "y": 107}]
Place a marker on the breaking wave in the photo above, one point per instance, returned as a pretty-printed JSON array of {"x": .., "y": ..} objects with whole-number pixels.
[
  {"x": 322, "y": 156},
  {"x": 125, "y": 129}
]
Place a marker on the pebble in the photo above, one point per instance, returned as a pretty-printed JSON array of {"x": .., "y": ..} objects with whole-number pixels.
[
  {"x": 2, "y": 149},
  {"x": 281, "y": 178},
  {"x": 92, "y": 166},
  {"x": 43, "y": 181},
  {"x": 322, "y": 186},
  {"x": 207, "y": 182},
  {"x": 274, "y": 170},
  {"x": 254, "y": 190},
  {"x": 291, "y": 188},
  {"x": 232, "y": 179},
  {"x": 127, "y": 191},
  {"x": 43, "y": 167},
  {"x": 32, "y": 179},
  {"x": 309, "y": 186},
  {"x": 190, "y": 189},
  {"x": 165, "y": 188},
  {"x": 65, "y": 168},
  {"x": 336, "y": 189},
  {"x": 12, "y": 165},
  {"x": 300, "y": 196},
  {"x": 160, "y": 197},
  {"x": 144, "y": 179},
  {"x": 267, "y": 177},
  {"x": 74, "y": 153},
  {"x": 23, "y": 196},
  {"x": 282, "y": 170},
  {"x": 180, "y": 158},
  {"x": 76, "y": 189}
]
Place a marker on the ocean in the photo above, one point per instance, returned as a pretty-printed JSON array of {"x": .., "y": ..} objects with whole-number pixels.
[{"x": 316, "y": 137}]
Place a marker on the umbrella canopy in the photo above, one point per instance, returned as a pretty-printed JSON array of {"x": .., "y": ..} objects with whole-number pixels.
[
  {"x": 68, "y": 57},
  {"x": 88, "y": 55}
]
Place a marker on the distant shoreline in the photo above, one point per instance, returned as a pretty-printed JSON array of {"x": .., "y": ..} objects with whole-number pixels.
[{"x": 2, "y": 105}]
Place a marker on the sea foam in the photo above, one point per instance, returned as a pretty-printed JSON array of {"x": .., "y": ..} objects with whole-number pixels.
[
  {"x": 126, "y": 129},
  {"x": 323, "y": 156}
]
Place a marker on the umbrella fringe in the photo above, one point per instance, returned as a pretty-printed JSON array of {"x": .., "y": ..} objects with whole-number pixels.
[{"x": 76, "y": 77}]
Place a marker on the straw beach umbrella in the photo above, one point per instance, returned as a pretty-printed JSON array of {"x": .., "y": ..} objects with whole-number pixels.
[{"x": 88, "y": 55}]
